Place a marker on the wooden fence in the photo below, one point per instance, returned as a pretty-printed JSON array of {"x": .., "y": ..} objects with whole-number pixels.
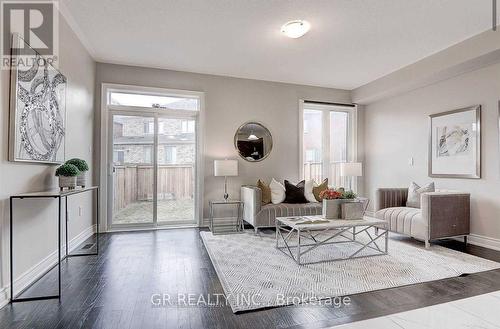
[{"x": 134, "y": 183}]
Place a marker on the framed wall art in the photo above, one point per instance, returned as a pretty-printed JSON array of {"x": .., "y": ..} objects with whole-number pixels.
[
  {"x": 455, "y": 143},
  {"x": 37, "y": 108}
]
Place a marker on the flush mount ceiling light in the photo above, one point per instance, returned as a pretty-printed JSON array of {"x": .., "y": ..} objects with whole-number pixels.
[{"x": 295, "y": 29}]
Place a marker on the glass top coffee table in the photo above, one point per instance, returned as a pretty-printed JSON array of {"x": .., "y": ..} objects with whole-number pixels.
[{"x": 299, "y": 237}]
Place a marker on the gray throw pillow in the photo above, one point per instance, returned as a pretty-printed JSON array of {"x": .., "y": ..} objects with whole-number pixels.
[{"x": 414, "y": 192}]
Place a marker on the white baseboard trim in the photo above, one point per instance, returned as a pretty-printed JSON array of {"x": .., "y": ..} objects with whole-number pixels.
[
  {"x": 158, "y": 228},
  {"x": 80, "y": 238},
  {"x": 475, "y": 239},
  {"x": 38, "y": 270},
  {"x": 205, "y": 222},
  {"x": 4, "y": 299},
  {"x": 483, "y": 241}
]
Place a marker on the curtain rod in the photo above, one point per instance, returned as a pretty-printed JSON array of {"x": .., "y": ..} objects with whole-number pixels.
[{"x": 329, "y": 103}]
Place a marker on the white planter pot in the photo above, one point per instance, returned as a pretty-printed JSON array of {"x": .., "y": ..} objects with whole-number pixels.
[
  {"x": 352, "y": 210},
  {"x": 69, "y": 182},
  {"x": 81, "y": 179},
  {"x": 332, "y": 208}
]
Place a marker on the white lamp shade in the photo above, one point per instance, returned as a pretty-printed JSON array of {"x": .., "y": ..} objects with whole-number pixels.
[
  {"x": 225, "y": 168},
  {"x": 351, "y": 169}
]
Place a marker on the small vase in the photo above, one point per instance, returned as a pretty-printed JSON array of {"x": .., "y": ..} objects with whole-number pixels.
[
  {"x": 81, "y": 179},
  {"x": 67, "y": 181}
]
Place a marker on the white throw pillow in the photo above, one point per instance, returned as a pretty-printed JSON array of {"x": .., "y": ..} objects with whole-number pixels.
[
  {"x": 277, "y": 191},
  {"x": 414, "y": 192},
  {"x": 308, "y": 190}
]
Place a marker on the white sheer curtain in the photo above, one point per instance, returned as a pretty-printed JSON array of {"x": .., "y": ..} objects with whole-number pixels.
[{"x": 335, "y": 180}]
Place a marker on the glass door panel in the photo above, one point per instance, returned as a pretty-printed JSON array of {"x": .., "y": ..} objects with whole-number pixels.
[
  {"x": 133, "y": 169},
  {"x": 176, "y": 170},
  {"x": 338, "y": 146},
  {"x": 313, "y": 145}
]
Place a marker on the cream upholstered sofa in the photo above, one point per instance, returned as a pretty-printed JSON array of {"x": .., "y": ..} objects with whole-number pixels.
[
  {"x": 442, "y": 214},
  {"x": 261, "y": 216}
]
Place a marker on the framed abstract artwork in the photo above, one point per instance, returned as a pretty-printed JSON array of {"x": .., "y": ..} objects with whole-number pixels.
[
  {"x": 37, "y": 124},
  {"x": 455, "y": 143}
]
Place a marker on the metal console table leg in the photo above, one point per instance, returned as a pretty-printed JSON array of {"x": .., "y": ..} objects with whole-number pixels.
[
  {"x": 13, "y": 298},
  {"x": 59, "y": 196}
]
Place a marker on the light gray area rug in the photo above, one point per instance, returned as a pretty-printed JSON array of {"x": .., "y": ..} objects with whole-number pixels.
[{"x": 254, "y": 274}]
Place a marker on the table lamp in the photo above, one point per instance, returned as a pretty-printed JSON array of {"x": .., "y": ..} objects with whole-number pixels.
[
  {"x": 351, "y": 169},
  {"x": 225, "y": 168}
]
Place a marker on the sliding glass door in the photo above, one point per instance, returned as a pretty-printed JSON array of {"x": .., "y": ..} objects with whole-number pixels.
[
  {"x": 133, "y": 169},
  {"x": 176, "y": 155},
  {"x": 153, "y": 169},
  {"x": 153, "y": 162}
]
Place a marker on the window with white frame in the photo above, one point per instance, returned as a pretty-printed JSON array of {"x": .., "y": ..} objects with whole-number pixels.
[
  {"x": 137, "y": 99},
  {"x": 118, "y": 157},
  {"x": 170, "y": 154},
  {"x": 147, "y": 154},
  {"x": 187, "y": 126},
  {"x": 328, "y": 139},
  {"x": 149, "y": 128}
]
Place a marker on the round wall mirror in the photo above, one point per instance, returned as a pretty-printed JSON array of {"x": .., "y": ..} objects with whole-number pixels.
[{"x": 253, "y": 141}]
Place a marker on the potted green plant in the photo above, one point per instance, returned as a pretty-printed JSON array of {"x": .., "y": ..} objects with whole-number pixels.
[
  {"x": 349, "y": 195},
  {"x": 67, "y": 176},
  {"x": 332, "y": 200},
  {"x": 83, "y": 167}
]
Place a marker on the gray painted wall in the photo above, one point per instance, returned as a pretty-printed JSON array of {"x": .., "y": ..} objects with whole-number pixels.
[
  {"x": 36, "y": 221},
  {"x": 397, "y": 129},
  {"x": 229, "y": 102}
]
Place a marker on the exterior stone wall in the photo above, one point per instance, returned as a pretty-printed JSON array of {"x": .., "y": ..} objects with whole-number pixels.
[
  {"x": 184, "y": 153},
  {"x": 135, "y": 136}
]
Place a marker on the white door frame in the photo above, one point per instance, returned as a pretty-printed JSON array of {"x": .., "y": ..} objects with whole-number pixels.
[
  {"x": 106, "y": 162},
  {"x": 352, "y": 134}
]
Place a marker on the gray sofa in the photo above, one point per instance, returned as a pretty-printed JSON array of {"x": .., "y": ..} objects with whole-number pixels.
[
  {"x": 442, "y": 214},
  {"x": 261, "y": 216}
]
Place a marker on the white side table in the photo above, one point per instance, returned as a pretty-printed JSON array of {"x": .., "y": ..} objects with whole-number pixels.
[{"x": 219, "y": 227}]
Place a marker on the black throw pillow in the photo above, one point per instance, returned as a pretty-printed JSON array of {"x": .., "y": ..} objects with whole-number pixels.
[{"x": 295, "y": 193}]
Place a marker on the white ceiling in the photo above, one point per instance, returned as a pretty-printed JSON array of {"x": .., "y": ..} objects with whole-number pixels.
[{"x": 351, "y": 42}]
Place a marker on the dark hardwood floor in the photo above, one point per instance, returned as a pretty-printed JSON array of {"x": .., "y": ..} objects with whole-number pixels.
[{"x": 114, "y": 289}]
